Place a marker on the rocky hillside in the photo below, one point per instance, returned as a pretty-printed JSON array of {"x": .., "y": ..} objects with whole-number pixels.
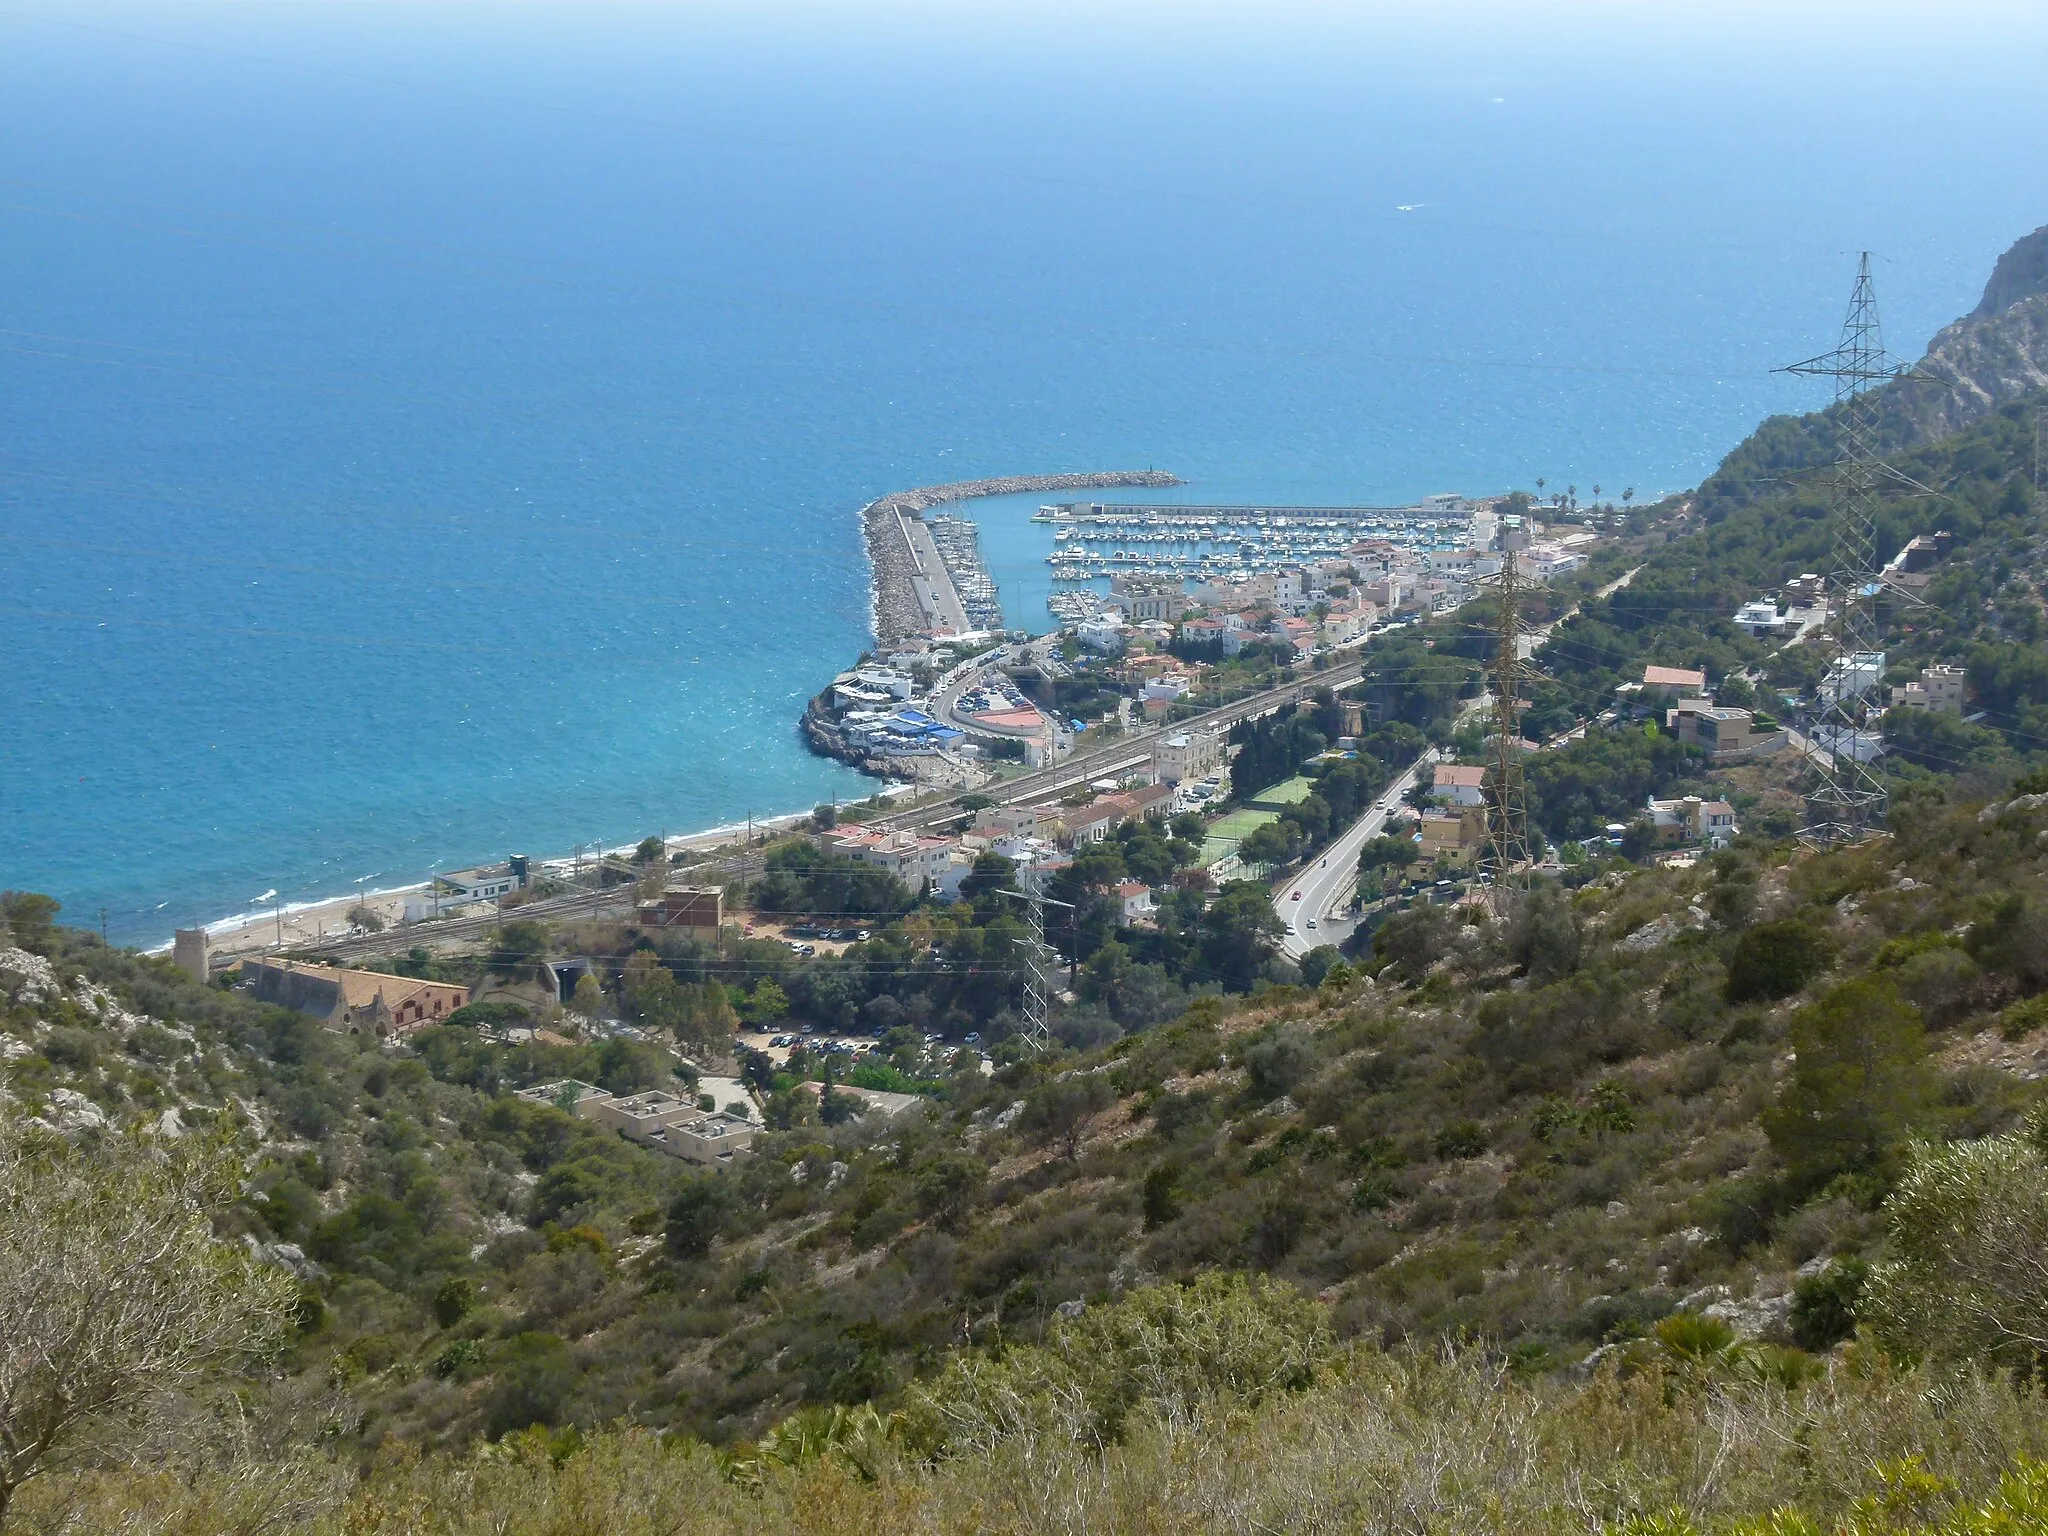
[
  {"x": 1627, "y": 1104},
  {"x": 1997, "y": 352}
]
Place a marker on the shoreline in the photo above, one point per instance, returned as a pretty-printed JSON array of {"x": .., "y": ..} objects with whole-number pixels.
[{"x": 311, "y": 920}]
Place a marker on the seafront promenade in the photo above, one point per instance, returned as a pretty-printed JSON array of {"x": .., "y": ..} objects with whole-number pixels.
[{"x": 912, "y": 591}]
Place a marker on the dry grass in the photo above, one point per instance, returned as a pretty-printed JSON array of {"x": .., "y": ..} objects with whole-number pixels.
[{"x": 1385, "y": 1443}]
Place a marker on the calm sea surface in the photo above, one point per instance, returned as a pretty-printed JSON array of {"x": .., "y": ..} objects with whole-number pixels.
[{"x": 428, "y": 433}]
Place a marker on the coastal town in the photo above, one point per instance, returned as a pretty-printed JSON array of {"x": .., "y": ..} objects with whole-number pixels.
[{"x": 948, "y": 697}]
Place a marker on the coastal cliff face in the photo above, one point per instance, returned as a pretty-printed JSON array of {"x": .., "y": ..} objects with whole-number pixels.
[{"x": 1997, "y": 352}]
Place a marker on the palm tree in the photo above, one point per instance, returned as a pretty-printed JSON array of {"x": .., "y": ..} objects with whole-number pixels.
[
  {"x": 1540, "y": 483},
  {"x": 1628, "y": 495},
  {"x": 1596, "y": 493}
]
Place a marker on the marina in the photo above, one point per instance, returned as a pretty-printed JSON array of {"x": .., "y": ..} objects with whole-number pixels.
[
  {"x": 958, "y": 541},
  {"x": 1095, "y": 540}
]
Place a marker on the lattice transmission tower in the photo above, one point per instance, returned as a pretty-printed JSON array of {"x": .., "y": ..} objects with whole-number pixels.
[
  {"x": 1506, "y": 862},
  {"x": 1041, "y": 960},
  {"x": 1849, "y": 799}
]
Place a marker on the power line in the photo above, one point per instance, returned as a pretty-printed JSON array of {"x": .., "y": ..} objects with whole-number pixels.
[
  {"x": 1849, "y": 801},
  {"x": 1506, "y": 861}
]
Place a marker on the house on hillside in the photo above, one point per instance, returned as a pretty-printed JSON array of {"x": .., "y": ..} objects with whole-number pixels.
[
  {"x": 1134, "y": 901},
  {"x": 1692, "y": 820},
  {"x": 1453, "y": 837},
  {"x": 1940, "y": 688},
  {"x": 1725, "y": 735},
  {"x": 1673, "y": 682},
  {"x": 1456, "y": 785}
]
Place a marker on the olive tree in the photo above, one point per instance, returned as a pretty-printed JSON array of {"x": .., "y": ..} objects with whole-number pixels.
[{"x": 116, "y": 1300}]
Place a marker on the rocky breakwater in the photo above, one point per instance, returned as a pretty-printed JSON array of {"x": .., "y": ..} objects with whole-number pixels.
[{"x": 897, "y": 610}]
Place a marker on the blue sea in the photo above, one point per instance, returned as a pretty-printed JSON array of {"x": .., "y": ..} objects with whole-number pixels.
[{"x": 434, "y": 431}]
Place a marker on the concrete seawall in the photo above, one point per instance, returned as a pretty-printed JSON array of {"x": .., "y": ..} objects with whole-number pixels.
[{"x": 897, "y": 611}]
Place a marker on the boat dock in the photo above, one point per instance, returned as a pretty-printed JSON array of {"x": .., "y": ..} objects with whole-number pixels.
[{"x": 1092, "y": 540}]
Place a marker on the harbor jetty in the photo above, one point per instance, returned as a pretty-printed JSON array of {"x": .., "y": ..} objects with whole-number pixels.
[{"x": 913, "y": 592}]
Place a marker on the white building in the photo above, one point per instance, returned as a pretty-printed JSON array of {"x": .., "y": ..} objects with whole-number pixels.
[
  {"x": 1852, "y": 676},
  {"x": 1941, "y": 688},
  {"x": 1134, "y": 900},
  {"x": 1186, "y": 755},
  {"x": 910, "y": 858},
  {"x": 1761, "y": 617},
  {"x": 1104, "y": 633},
  {"x": 1455, "y": 785},
  {"x": 1546, "y": 561},
  {"x": 1290, "y": 590}
]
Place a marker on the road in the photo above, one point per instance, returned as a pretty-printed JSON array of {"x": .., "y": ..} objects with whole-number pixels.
[{"x": 1329, "y": 883}]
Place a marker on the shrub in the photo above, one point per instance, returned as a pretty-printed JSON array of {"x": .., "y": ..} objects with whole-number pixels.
[
  {"x": 1824, "y": 1305},
  {"x": 2024, "y": 1017},
  {"x": 530, "y": 1384},
  {"x": 453, "y": 1300},
  {"x": 1967, "y": 1224},
  {"x": 1775, "y": 960},
  {"x": 1281, "y": 1061},
  {"x": 1225, "y": 1339},
  {"x": 1462, "y": 1138},
  {"x": 695, "y": 1216}
]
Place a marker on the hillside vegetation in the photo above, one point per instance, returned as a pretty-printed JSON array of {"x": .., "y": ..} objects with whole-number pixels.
[{"x": 1699, "y": 1198}]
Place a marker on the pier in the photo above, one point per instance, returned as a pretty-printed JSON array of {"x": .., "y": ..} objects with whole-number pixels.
[{"x": 913, "y": 590}]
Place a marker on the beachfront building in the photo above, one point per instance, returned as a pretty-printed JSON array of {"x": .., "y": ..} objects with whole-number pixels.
[
  {"x": 457, "y": 888},
  {"x": 352, "y": 1002},
  {"x": 906, "y": 732},
  {"x": 910, "y": 858}
]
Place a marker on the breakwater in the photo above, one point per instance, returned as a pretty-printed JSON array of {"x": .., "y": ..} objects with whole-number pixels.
[{"x": 898, "y": 606}]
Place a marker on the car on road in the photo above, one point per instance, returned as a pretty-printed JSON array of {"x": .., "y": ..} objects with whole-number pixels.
[
  {"x": 1296, "y": 896},
  {"x": 1311, "y": 923}
]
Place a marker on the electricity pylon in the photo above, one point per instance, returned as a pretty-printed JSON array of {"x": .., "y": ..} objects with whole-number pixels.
[
  {"x": 1506, "y": 862},
  {"x": 1041, "y": 960},
  {"x": 1849, "y": 801}
]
